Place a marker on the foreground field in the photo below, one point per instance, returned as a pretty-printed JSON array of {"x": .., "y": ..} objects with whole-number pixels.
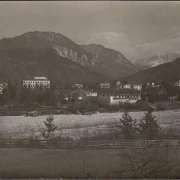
[
  {"x": 45, "y": 163},
  {"x": 73, "y": 125},
  {"x": 51, "y": 163}
]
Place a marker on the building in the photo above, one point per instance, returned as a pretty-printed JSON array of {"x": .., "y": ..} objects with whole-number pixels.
[
  {"x": 119, "y": 96},
  {"x": 125, "y": 98},
  {"x": 105, "y": 85},
  {"x": 36, "y": 82},
  {"x": 3, "y": 85},
  {"x": 79, "y": 86},
  {"x": 137, "y": 87},
  {"x": 86, "y": 100},
  {"x": 127, "y": 86},
  {"x": 84, "y": 94},
  {"x": 177, "y": 83}
]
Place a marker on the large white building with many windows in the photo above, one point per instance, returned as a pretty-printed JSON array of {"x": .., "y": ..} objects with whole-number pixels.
[{"x": 36, "y": 82}]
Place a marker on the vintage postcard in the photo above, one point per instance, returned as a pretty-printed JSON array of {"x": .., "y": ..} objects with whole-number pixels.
[{"x": 89, "y": 89}]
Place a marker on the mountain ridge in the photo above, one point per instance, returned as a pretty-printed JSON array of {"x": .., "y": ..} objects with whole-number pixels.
[
  {"x": 164, "y": 72},
  {"x": 114, "y": 62},
  {"x": 45, "y": 63},
  {"x": 38, "y": 42},
  {"x": 155, "y": 60}
]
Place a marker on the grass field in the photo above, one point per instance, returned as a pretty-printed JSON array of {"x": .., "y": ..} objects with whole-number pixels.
[
  {"x": 45, "y": 163},
  {"x": 51, "y": 163},
  {"x": 58, "y": 163},
  {"x": 20, "y": 126}
]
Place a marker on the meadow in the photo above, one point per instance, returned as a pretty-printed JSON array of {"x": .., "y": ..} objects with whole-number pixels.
[
  {"x": 73, "y": 125},
  {"x": 63, "y": 163}
]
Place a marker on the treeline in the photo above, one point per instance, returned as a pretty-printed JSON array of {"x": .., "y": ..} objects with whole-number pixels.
[
  {"x": 163, "y": 92},
  {"x": 22, "y": 96}
]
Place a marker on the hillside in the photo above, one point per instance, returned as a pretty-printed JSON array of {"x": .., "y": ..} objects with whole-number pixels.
[
  {"x": 155, "y": 60},
  {"x": 17, "y": 63},
  {"x": 163, "y": 72},
  {"x": 43, "y": 40},
  {"x": 109, "y": 61},
  {"x": 31, "y": 47}
]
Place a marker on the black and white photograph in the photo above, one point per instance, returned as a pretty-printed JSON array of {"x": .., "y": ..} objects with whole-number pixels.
[{"x": 89, "y": 90}]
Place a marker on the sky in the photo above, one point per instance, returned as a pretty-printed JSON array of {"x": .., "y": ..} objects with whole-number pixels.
[{"x": 136, "y": 29}]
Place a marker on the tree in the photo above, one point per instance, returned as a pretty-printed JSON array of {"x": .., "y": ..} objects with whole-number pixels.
[
  {"x": 11, "y": 92},
  {"x": 48, "y": 131},
  {"x": 61, "y": 97},
  {"x": 148, "y": 126},
  {"x": 150, "y": 162},
  {"x": 127, "y": 126},
  {"x": 4, "y": 97}
]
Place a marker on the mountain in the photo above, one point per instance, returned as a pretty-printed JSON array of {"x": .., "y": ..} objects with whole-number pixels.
[
  {"x": 109, "y": 61},
  {"x": 27, "y": 55},
  {"x": 155, "y": 60},
  {"x": 44, "y": 40},
  {"x": 19, "y": 61},
  {"x": 164, "y": 72}
]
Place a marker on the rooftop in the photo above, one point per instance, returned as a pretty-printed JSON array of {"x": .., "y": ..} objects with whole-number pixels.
[
  {"x": 126, "y": 91},
  {"x": 104, "y": 85},
  {"x": 44, "y": 78},
  {"x": 35, "y": 78}
]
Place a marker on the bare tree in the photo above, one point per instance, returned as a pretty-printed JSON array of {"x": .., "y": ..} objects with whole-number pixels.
[{"x": 160, "y": 161}]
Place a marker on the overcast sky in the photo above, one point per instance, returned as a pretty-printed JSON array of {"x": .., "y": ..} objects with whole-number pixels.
[{"x": 137, "y": 29}]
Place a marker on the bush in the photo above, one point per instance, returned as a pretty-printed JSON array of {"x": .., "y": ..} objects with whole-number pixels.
[
  {"x": 115, "y": 107},
  {"x": 143, "y": 105},
  {"x": 129, "y": 106},
  {"x": 160, "y": 107},
  {"x": 122, "y": 106}
]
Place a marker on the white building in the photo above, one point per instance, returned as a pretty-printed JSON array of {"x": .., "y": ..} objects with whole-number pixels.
[
  {"x": 124, "y": 98},
  {"x": 105, "y": 86},
  {"x": 36, "y": 82},
  {"x": 137, "y": 87},
  {"x": 127, "y": 86}
]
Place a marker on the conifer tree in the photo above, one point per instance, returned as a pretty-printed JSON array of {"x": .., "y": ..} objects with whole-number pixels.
[
  {"x": 127, "y": 126},
  {"x": 48, "y": 131},
  {"x": 148, "y": 126}
]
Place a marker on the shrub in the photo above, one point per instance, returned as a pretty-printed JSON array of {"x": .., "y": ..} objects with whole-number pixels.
[
  {"x": 143, "y": 105},
  {"x": 115, "y": 107},
  {"x": 129, "y": 106},
  {"x": 160, "y": 107},
  {"x": 48, "y": 131}
]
